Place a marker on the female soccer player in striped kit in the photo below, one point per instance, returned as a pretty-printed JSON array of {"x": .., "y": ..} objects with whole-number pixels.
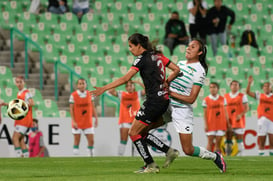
[
  {"x": 23, "y": 125},
  {"x": 129, "y": 105},
  {"x": 82, "y": 110},
  {"x": 215, "y": 116},
  {"x": 183, "y": 92},
  {"x": 265, "y": 115},
  {"x": 151, "y": 65}
]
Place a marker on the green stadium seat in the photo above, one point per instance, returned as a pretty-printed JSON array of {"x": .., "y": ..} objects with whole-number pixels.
[
  {"x": 14, "y": 7},
  {"x": 36, "y": 94},
  {"x": 9, "y": 93},
  {"x": 180, "y": 51},
  {"x": 49, "y": 18},
  {"x": 64, "y": 113},
  {"x": 6, "y": 77},
  {"x": 69, "y": 18},
  {"x": 50, "y": 108},
  {"x": 258, "y": 72}
]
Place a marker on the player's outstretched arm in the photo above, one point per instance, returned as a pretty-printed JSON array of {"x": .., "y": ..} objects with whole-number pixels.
[{"x": 116, "y": 83}]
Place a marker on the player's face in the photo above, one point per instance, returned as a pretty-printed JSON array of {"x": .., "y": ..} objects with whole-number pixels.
[
  {"x": 192, "y": 51},
  {"x": 81, "y": 85},
  {"x": 174, "y": 16},
  {"x": 130, "y": 87},
  {"x": 20, "y": 83},
  {"x": 134, "y": 49},
  {"x": 213, "y": 89},
  {"x": 35, "y": 124},
  {"x": 266, "y": 88},
  {"x": 234, "y": 87},
  {"x": 218, "y": 3}
]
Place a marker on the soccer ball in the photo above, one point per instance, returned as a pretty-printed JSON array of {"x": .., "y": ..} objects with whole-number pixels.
[{"x": 17, "y": 109}]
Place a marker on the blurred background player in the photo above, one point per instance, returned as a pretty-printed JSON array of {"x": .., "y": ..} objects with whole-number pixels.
[
  {"x": 36, "y": 141},
  {"x": 237, "y": 107},
  {"x": 129, "y": 105},
  {"x": 82, "y": 109},
  {"x": 184, "y": 91},
  {"x": 22, "y": 126},
  {"x": 215, "y": 116},
  {"x": 265, "y": 115}
]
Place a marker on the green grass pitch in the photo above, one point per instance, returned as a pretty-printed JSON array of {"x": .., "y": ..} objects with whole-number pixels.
[{"x": 121, "y": 168}]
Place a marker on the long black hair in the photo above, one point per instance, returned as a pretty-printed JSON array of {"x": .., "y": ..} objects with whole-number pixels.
[
  {"x": 202, "y": 57},
  {"x": 143, "y": 40}
]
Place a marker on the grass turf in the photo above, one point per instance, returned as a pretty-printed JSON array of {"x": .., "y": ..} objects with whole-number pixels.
[{"x": 121, "y": 168}]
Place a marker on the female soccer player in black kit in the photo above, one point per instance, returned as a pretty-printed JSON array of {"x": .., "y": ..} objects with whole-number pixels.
[{"x": 151, "y": 65}]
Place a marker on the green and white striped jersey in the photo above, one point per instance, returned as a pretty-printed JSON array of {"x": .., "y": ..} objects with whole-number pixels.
[{"x": 193, "y": 74}]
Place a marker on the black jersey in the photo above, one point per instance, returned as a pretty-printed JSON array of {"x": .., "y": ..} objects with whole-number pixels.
[{"x": 152, "y": 68}]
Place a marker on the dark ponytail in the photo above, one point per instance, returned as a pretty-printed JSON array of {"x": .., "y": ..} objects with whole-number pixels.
[
  {"x": 202, "y": 57},
  {"x": 138, "y": 38}
]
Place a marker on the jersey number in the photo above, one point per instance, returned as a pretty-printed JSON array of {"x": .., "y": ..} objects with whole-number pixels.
[{"x": 161, "y": 68}]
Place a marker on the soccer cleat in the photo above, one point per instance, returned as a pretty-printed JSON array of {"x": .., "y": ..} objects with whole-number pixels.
[
  {"x": 151, "y": 168},
  {"x": 141, "y": 169},
  {"x": 220, "y": 162},
  {"x": 171, "y": 155}
]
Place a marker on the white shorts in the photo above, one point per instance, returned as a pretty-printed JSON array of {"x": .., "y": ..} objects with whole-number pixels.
[
  {"x": 125, "y": 125},
  {"x": 216, "y": 133},
  {"x": 84, "y": 131},
  {"x": 264, "y": 126},
  {"x": 21, "y": 129},
  {"x": 167, "y": 116},
  {"x": 239, "y": 131},
  {"x": 182, "y": 119}
]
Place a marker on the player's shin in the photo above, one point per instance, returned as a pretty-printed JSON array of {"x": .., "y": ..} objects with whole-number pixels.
[
  {"x": 156, "y": 143},
  {"x": 142, "y": 148}
]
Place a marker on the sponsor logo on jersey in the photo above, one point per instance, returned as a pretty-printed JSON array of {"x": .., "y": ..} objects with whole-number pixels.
[{"x": 136, "y": 61}]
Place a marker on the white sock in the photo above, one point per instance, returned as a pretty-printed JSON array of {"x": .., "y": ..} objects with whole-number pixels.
[
  {"x": 240, "y": 149},
  {"x": 261, "y": 153},
  {"x": 91, "y": 152},
  {"x": 206, "y": 154},
  {"x": 18, "y": 153},
  {"x": 26, "y": 155},
  {"x": 76, "y": 151},
  {"x": 121, "y": 149},
  {"x": 270, "y": 152},
  {"x": 228, "y": 149}
]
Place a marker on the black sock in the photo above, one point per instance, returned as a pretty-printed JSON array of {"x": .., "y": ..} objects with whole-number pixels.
[
  {"x": 143, "y": 151},
  {"x": 157, "y": 143}
]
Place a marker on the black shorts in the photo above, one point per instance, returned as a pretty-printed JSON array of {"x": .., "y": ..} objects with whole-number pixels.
[{"x": 150, "y": 111}]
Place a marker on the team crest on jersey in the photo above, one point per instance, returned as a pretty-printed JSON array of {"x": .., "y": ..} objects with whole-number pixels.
[
  {"x": 136, "y": 61},
  {"x": 191, "y": 70}
]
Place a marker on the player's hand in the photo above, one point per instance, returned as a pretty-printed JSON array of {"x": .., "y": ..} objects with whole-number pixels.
[
  {"x": 96, "y": 123},
  {"x": 238, "y": 117},
  {"x": 75, "y": 125},
  {"x": 97, "y": 92},
  {"x": 166, "y": 85},
  {"x": 206, "y": 128},
  {"x": 250, "y": 79}
]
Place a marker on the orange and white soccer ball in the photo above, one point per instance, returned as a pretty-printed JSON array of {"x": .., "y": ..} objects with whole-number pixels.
[{"x": 17, "y": 109}]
